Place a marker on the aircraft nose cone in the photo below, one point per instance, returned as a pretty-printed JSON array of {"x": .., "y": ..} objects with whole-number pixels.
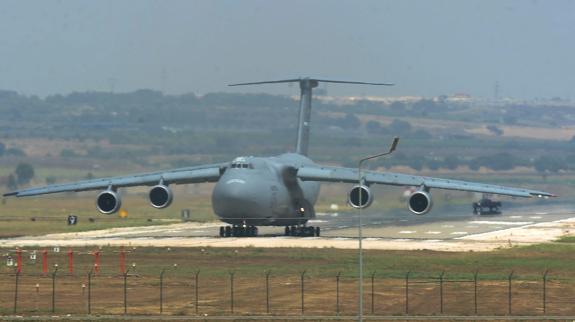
[{"x": 236, "y": 199}]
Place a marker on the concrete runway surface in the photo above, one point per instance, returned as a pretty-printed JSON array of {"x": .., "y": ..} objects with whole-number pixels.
[{"x": 452, "y": 228}]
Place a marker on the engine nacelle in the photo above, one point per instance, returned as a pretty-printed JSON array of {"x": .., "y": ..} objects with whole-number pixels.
[
  {"x": 161, "y": 196},
  {"x": 108, "y": 202},
  {"x": 420, "y": 202},
  {"x": 353, "y": 197}
]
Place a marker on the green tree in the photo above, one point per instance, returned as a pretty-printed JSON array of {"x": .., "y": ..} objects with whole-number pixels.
[
  {"x": 24, "y": 173},
  {"x": 373, "y": 127},
  {"x": 397, "y": 107},
  {"x": 399, "y": 127},
  {"x": 11, "y": 184},
  {"x": 547, "y": 163},
  {"x": 451, "y": 162}
]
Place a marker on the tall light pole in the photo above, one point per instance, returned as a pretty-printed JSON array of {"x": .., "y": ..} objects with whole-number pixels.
[{"x": 361, "y": 204}]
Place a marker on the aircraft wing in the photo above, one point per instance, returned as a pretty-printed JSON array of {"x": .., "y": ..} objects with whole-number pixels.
[
  {"x": 350, "y": 175},
  {"x": 204, "y": 173}
]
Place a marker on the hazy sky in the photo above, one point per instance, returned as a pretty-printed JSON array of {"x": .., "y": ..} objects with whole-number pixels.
[{"x": 426, "y": 47}]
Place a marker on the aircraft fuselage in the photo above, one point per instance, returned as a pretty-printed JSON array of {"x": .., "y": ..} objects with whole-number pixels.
[{"x": 265, "y": 192}]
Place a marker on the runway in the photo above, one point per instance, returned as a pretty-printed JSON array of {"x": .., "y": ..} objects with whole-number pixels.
[{"x": 447, "y": 229}]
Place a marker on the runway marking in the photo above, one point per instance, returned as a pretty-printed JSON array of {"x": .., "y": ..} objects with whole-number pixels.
[
  {"x": 340, "y": 227},
  {"x": 317, "y": 221},
  {"x": 447, "y": 226},
  {"x": 535, "y": 217},
  {"x": 504, "y": 223},
  {"x": 403, "y": 220},
  {"x": 541, "y": 213},
  {"x": 433, "y": 232},
  {"x": 516, "y": 217},
  {"x": 331, "y": 214},
  {"x": 471, "y": 227},
  {"x": 459, "y": 233},
  {"x": 407, "y": 232}
]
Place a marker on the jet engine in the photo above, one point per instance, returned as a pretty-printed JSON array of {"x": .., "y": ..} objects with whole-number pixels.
[
  {"x": 108, "y": 202},
  {"x": 161, "y": 196},
  {"x": 420, "y": 202},
  {"x": 354, "y": 197}
]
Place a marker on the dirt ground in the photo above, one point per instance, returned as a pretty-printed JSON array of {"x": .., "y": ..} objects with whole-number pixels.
[{"x": 285, "y": 296}]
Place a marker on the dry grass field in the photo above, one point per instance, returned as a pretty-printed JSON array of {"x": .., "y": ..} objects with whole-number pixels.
[{"x": 249, "y": 267}]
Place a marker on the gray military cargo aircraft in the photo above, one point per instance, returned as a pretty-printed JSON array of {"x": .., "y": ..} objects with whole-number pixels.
[{"x": 272, "y": 191}]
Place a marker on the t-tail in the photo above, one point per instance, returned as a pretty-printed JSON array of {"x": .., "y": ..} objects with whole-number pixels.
[{"x": 306, "y": 86}]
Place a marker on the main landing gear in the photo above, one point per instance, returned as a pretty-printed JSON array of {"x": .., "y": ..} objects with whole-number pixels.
[
  {"x": 302, "y": 231},
  {"x": 238, "y": 231}
]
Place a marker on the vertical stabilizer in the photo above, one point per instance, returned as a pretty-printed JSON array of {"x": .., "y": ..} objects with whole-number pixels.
[{"x": 306, "y": 86}]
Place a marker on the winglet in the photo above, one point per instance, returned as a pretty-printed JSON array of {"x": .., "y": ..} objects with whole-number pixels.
[{"x": 9, "y": 194}]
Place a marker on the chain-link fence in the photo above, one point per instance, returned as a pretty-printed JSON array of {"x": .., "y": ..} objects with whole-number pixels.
[{"x": 231, "y": 293}]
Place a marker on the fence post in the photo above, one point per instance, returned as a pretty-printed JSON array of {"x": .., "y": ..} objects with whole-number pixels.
[
  {"x": 372, "y": 293},
  {"x": 441, "y": 292},
  {"x": 16, "y": 291},
  {"x": 407, "y": 292},
  {"x": 268, "y": 291},
  {"x": 545, "y": 291},
  {"x": 90, "y": 291},
  {"x": 125, "y": 275},
  {"x": 125, "y": 292},
  {"x": 509, "y": 292},
  {"x": 54, "y": 287},
  {"x": 232, "y": 291},
  {"x": 337, "y": 292},
  {"x": 475, "y": 275},
  {"x": 196, "y": 289},
  {"x": 37, "y": 297},
  {"x": 162, "y": 290},
  {"x": 302, "y": 276}
]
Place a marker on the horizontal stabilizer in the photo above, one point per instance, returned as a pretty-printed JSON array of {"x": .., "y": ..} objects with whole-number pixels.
[{"x": 297, "y": 80}]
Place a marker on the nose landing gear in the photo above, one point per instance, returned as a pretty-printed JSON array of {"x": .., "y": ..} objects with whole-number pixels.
[
  {"x": 302, "y": 231},
  {"x": 238, "y": 231}
]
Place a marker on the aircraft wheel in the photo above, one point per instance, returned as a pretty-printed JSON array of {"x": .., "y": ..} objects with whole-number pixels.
[
  {"x": 294, "y": 231},
  {"x": 222, "y": 231},
  {"x": 317, "y": 231},
  {"x": 228, "y": 231},
  {"x": 287, "y": 232},
  {"x": 254, "y": 231},
  {"x": 235, "y": 231},
  {"x": 309, "y": 231}
]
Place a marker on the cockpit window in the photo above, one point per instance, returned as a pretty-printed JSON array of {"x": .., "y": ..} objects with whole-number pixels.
[{"x": 241, "y": 163}]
